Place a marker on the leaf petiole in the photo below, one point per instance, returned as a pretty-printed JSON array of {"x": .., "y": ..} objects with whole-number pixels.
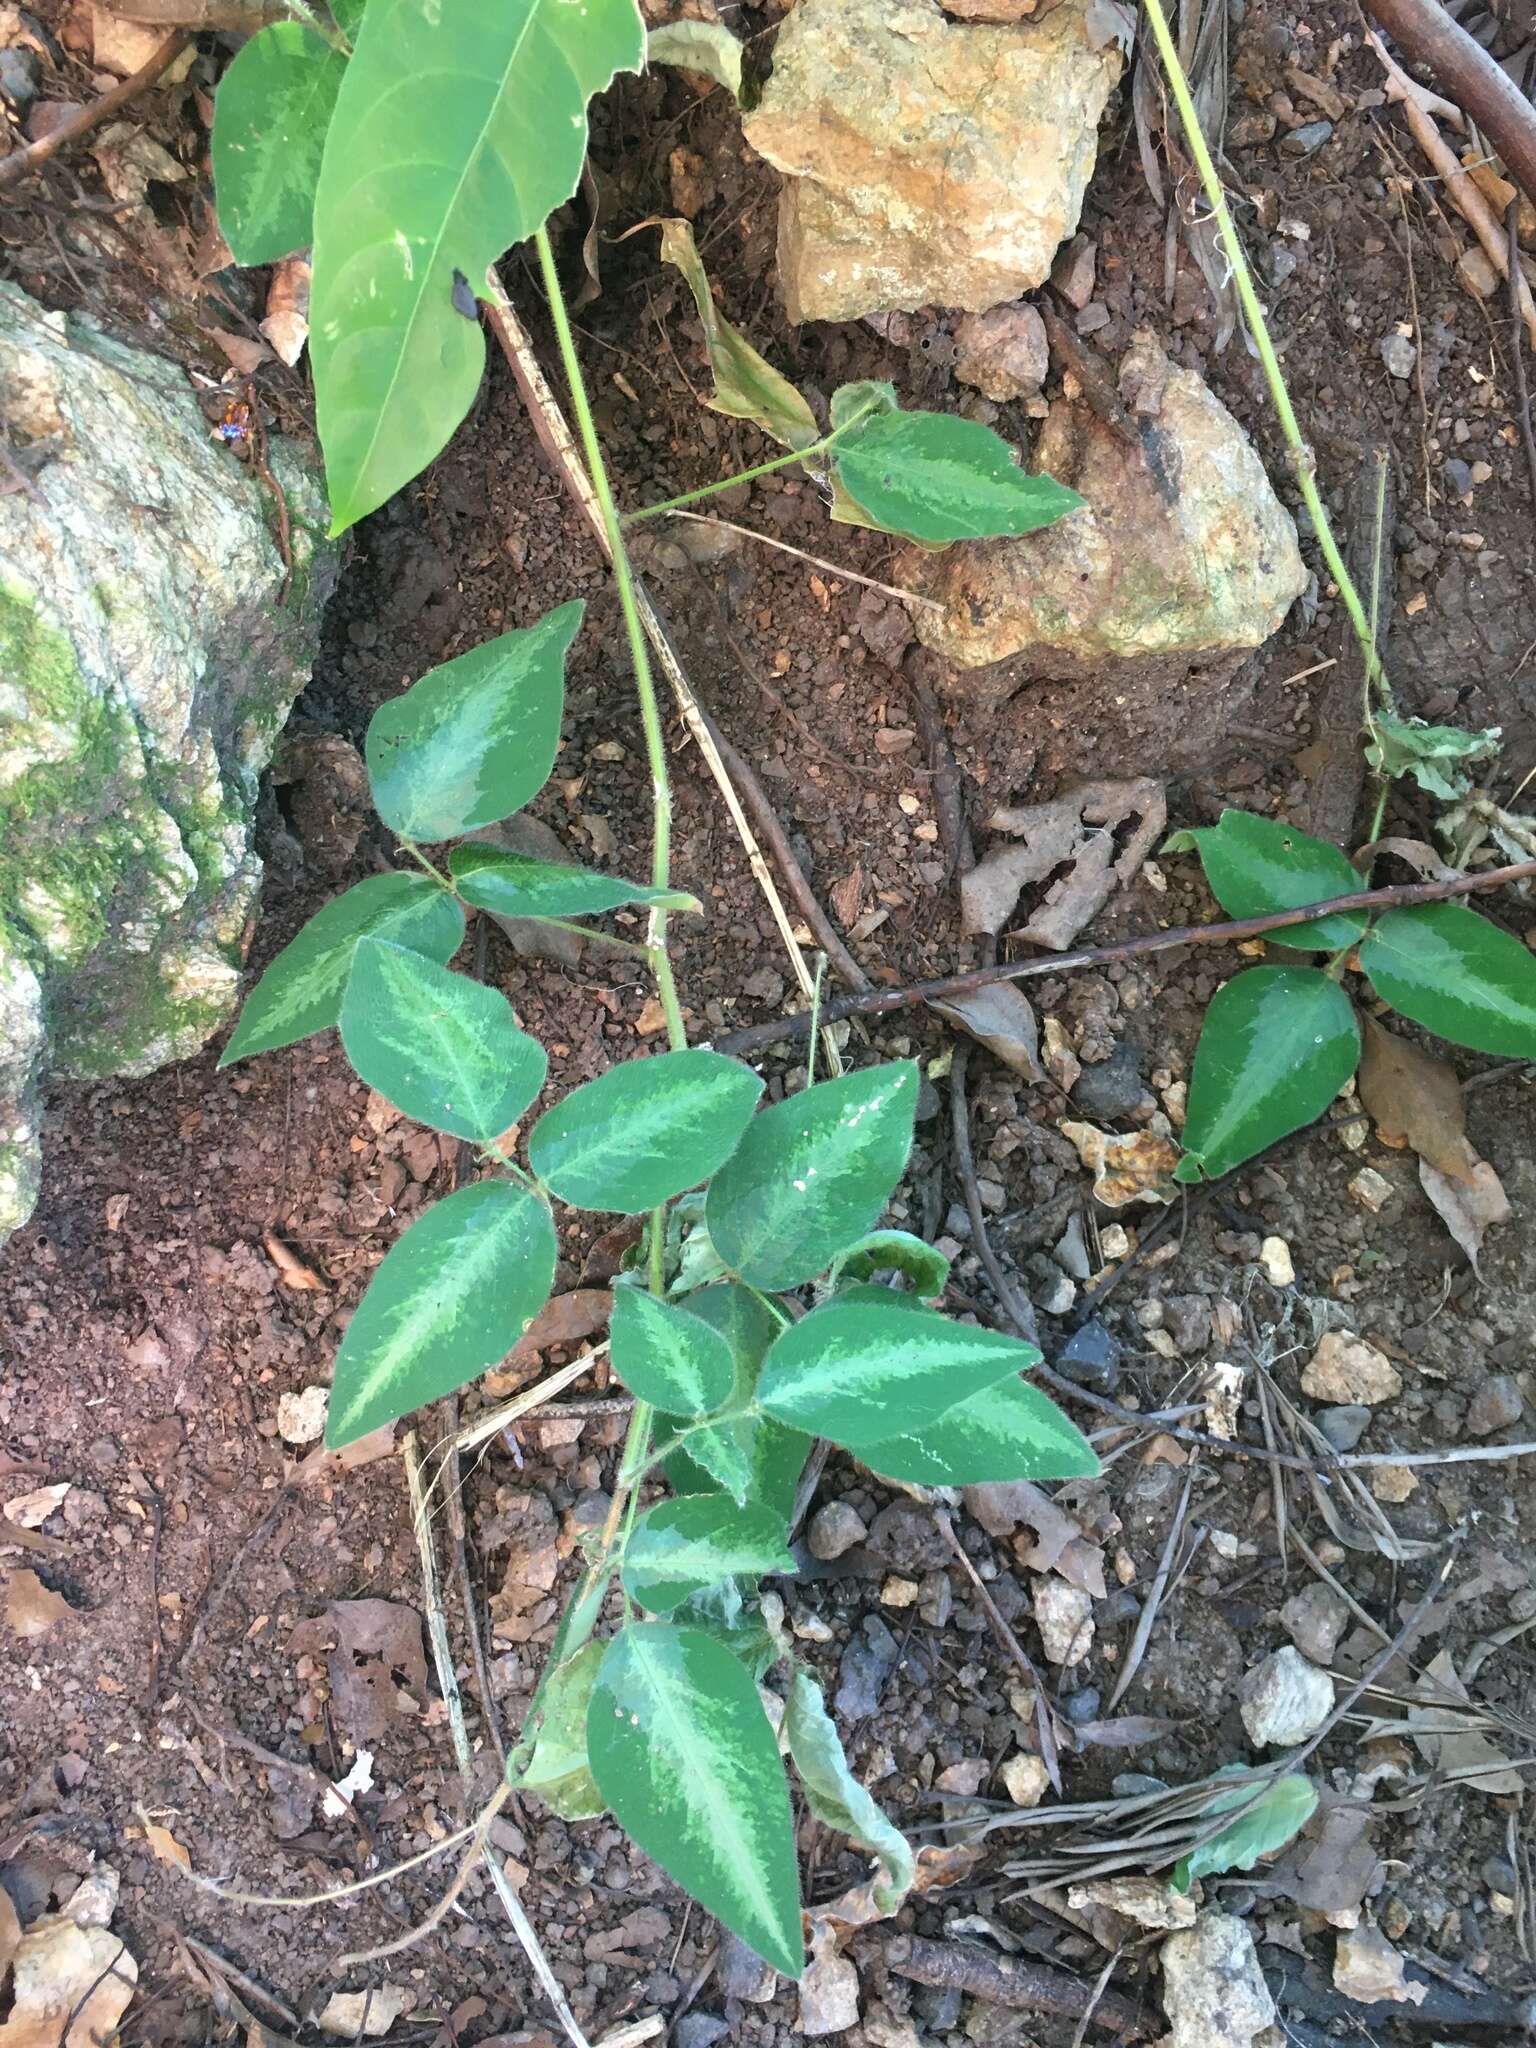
[{"x": 746, "y": 476}]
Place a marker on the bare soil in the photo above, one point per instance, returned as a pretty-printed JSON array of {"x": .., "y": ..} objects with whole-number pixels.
[{"x": 151, "y": 1330}]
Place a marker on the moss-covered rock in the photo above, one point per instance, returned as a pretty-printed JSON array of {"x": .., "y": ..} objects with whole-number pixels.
[{"x": 151, "y": 643}]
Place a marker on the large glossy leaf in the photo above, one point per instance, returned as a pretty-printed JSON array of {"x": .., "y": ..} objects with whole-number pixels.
[
  {"x": 1256, "y": 865},
  {"x": 746, "y": 387},
  {"x": 940, "y": 478},
  {"x": 682, "y": 1546},
  {"x": 835, "y": 1795},
  {"x": 1277, "y": 1044},
  {"x": 682, "y": 1751},
  {"x": 454, "y": 1294},
  {"x": 644, "y": 1131},
  {"x": 1277, "y": 1817},
  {"x": 668, "y": 1357},
  {"x": 512, "y": 885},
  {"x": 752, "y": 1457},
  {"x": 445, "y": 1049},
  {"x": 870, "y": 1365},
  {"x": 460, "y": 126},
  {"x": 1457, "y": 975},
  {"x": 270, "y": 117},
  {"x": 1008, "y": 1431},
  {"x": 303, "y": 988},
  {"x": 476, "y": 738},
  {"x": 557, "y": 1767},
  {"x": 812, "y": 1174}
]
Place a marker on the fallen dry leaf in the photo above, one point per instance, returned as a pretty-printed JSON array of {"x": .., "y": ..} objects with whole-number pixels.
[
  {"x": 286, "y": 324},
  {"x": 364, "y": 2013},
  {"x": 31, "y": 1510},
  {"x": 291, "y": 1269},
  {"x": 31, "y": 1608},
  {"x": 1001, "y": 1017},
  {"x": 1367, "y": 1968},
  {"x": 1138, "y": 1168},
  {"x": 1341, "y": 1870},
  {"x": 1077, "y": 828},
  {"x": 1449, "y": 1742},
  {"x": 121, "y": 46},
  {"x": 374, "y": 1660},
  {"x": 245, "y": 355},
  {"x": 1144, "y": 1900},
  {"x": 568, "y": 1318},
  {"x": 65, "y": 1976},
  {"x": 1415, "y": 1100},
  {"x": 1467, "y": 1207},
  {"x": 164, "y": 1847}
]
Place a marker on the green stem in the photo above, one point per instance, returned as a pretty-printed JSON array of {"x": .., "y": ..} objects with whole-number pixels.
[
  {"x": 583, "y": 931},
  {"x": 442, "y": 881},
  {"x": 639, "y": 651},
  {"x": 746, "y": 476},
  {"x": 1303, "y": 460},
  {"x": 810, "y": 1058}
]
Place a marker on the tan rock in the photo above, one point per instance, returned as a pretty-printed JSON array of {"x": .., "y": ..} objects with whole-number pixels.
[
  {"x": 1025, "y": 1779},
  {"x": 1393, "y": 1483},
  {"x": 1064, "y": 1617},
  {"x": 1182, "y": 559},
  {"x": 1345, "y": 1369},
  {"x": 926, "y": 162},
  {"x": 1002, "y": 354}
]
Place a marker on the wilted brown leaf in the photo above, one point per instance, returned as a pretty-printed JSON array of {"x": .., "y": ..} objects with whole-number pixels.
[
  {"x": 999, "y": 1016},
  {"x": 1134, "y": 1169},
  {"x": 286, "y": 324},
  {"x": 291, "y": 1268},
  {"x": 31, "y": 1608},
  {"x": 568, "y": 1318},
  {"x": 31, "y": 1510},
  {"x": 163, "y": 1845},
  {"x": 1469, "y": 1208},
  {"x": 1415, "y": 1100}
]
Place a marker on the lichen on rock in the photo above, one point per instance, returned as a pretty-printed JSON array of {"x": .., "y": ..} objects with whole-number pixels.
[
  {"x": 927, "y": 162},
  {"x": 148, "y": 658}
]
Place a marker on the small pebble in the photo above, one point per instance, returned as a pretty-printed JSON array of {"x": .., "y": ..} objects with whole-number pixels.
[
  {"x": 19, "y": 75},
  {"x": 1306, "y": 140},
  {"x": 1091, "y": 1357},
  {"x": 1344, "y": 1368},
  {"x": 1275, "y": 1258},
  {"x": 1284, "y": 1699},
  {"x": 899, "y": 1592},
  {"x": 1110, "y": 1088},
  {"x": 1082, "y": 1706},
  {"x": 301, "y": 1416},
  {"x": 1345, "y": 1426},
  {"x": 1315, "y": 1619},
  {"x": 1064, "y": 1617},
  {"x": 1372, "y": 1190},
  {"x": 833, "y": 1529},
  {"x": 1393, "y": 1483},
  {"x": 1025, "y": 1779},
  {"x": 1496, "y": 1405},
  {"x": 1399, "y": 354}
]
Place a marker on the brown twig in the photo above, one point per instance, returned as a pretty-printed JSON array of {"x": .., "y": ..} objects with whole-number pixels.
[
  {"x": 1426, "y": 34},
  {"x": 878, "y": 1002},
  {"x": 1012, "y": 1982},
  {"x": 1045, "y": 1708},
  {"x": 1517, "y": 343},
  {"x": 1091, "y": 372},
  {"x": 21, "y": 162},
  {"x": 1019, "y": 1310}
]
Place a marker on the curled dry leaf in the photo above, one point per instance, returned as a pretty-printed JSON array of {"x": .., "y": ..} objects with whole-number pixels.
[
  {"x": 70, "y": 1986},
  {"x": 1415, "y": 1100},
  {"x": 1076, "y": 830},
  {"x": 1451, "y": 1742},
  {"x": 1467, "y": 1208},
  {"x": 1138, "y": 1168},
  {"x": 1001, "y": 1017},
  {"x": 569, "y": 1318},
  {"x": 358, "y": 2015},
  {"x": 164, "y": 1847},
  {"x": 287, "y": 323},
  {"x": 291, "y": 1269},
  {"x": 1341, "y": 1870},
  {"x": 31, "y": 1608}
]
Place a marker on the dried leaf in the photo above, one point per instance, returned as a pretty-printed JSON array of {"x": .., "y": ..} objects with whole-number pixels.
[
  {"x": 1222, "y": 1392},
  {"x": 287, "y": 323},
  {"x": 31, "y": 1510},
  {"x": 1367, "y": 1968},
  {"x": 245, "y": 355},
  {"x": 1341, "y": 1870},
  {"x": 1415, "y": 1100},
  {"x": 291, "y": 1269},
  {"x": 31, "y": 1609},
  {"x": 568, "y": 1318},
  {"x": 1076, "y": 829},
  {"x": 1145, "y": 1900},
  {"x": 1467, "y": 1208},
  {"x": 1452, "y": 1743},
  {"x": 365, "y": 2014},
  {"x": 1004, "y": 1505},
  {"x": 1138, "y": 1168},
  {"x": 66, "y": 1976},
  {"x": 999, "y": 1016},
  {"x": 165, "y": 1848},
  {"x": 374, "y": 1660},
  {"x": 120, "y": 46}
]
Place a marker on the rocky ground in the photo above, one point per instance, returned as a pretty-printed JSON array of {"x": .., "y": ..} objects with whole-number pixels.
[{"x": 206, "y": 1627}]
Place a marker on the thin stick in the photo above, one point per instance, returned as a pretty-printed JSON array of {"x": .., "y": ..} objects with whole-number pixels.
[
  {"x": 1018, "y": 1309},
  {"x": 880, "y": 1001},
  {"x": 1426, "y": 34},
  {"x": 550, "y": 425},
  {"x": 1154, "y": 1600},
  {"x": 22, "y": 162},
  {"x": 1517, "y": 346},
  {"x": 448, "y": 1685},
  {"x": 767, "y": 540}
]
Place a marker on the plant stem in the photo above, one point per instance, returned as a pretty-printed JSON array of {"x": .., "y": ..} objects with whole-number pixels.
[
  {"x": 598, "y": 938},
  {"x": 409, "y": 846},
  {"x": 1303, "y": 460},
  {"x": 746, "y": 476},
  {"x": 639, "y": 652}
]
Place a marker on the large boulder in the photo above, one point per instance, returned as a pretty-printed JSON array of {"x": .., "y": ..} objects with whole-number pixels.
[
  {"x": 927, "y": 163},
  {"x": 1181, "y": 563},
  {"x": 151, "y": 643}
]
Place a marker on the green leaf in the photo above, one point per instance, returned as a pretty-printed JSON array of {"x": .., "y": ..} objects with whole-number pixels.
[
  {"x": 1457, "y": 975},
  {"x": 1009, "y": 1431},
  {"x": 1407, "y": 746},
  {"x": 707, "y": 47},
  {"x": 939, "y": 478},
  {"x": 893, "y": 1251},
  {"x": 1256, "y": 865},
  {"x": 512, "y": 885},
  {"x": 682, "y": 1751},
  {"x": 453, "y": 1295},
  {"x": 302, "y": 990},
  {"x": 870, "y": 1365},
  {"x": 682, "y": 1546},
  {"x": 1277, "y": 1045},
  {"x": 644, "y": 1131},
  {"x": 667, "y": 1357},
  {"x": 866, "y": 398},
  {"x": 1277, "y": 1818},
  {"x": 746, "y": 387},
  {"x": 557, "y": 1769},
  {"x": 439, "y": 1046},
  {"x": 812, "y": 1174},
  {"x": 475, "y": 738},
  {"x": 270, "y": 115},
  {"x": 460, "y": 126},
  {"x": 751, "y": 1456},
  {"x": 835, "y": 1795}
]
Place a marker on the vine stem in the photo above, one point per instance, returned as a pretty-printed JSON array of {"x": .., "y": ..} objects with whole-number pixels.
[
  {"x": 639, "y": 650},
  {"x": 746, "y": 476},
  {"x": 1303, "y": 461}
]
